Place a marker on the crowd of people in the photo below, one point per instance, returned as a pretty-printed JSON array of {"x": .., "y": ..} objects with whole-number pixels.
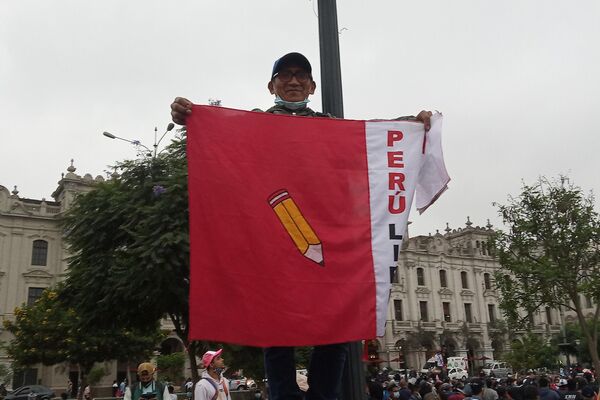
[{"x": 530, "y": 386}]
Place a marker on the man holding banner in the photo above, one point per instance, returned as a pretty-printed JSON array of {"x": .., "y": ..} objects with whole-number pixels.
[{"x": 286, "y": 170}]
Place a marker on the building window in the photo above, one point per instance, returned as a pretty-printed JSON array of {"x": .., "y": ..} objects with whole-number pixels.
[
  {"x": 588, "y": 302},
  {"x": 39, "y": 252},
  {"x": 393, "y": 274},
  {"x": 33, "y": 294},
  {"x": 423, "y": 309},
  {"x": 398, "y": 310},
  {"x": 486, "y": 281},
  {"x": 468, "y": 313},
  {"x": 464, "y": 280},
  {"x": 483, "y": 247},
  {"x": 548, "y": 315},
  {"x": 443, "y": 280},
  {"x": 492, "y": 312},
  {"x": 420, "y": 277},
  {"x": 446, "y": 308}
]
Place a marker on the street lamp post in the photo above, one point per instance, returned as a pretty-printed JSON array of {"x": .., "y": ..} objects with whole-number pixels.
[
  {"x": 137, "y": 143},
  {"x": 331, "y": 95}
]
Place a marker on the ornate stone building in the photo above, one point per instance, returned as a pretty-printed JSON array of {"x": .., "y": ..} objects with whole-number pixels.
[
  {"x": 443, "y": 295},
  {"x": 32, "y": 257}
]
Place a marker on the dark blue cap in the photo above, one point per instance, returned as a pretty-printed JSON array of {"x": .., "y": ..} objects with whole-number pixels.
[{"x": 296, "y": 59}]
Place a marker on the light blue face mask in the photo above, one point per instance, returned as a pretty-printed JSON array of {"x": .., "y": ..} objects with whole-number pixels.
[{"x": 292, "y": 105}]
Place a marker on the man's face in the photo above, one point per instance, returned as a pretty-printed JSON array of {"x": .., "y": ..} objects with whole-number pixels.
[
  {"x": 145, "y": 376},
  {"x": 218, "y": 362},
  {"x": 294, "y": 89}
]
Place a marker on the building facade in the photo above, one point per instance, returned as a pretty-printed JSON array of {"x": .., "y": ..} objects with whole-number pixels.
[
  {"x": 33, "y": 258},
  {"x": 443, "y": 297}
]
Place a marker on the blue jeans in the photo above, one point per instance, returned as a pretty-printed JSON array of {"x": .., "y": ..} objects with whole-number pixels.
[{"x": 324, "y": 373}]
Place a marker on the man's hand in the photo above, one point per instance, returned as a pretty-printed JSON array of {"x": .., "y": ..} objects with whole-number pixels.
[
  {"x": 181, "y": 108},
  {"x": 423, "y": 116}
]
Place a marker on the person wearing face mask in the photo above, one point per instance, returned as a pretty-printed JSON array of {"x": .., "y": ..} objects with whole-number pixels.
[
  {"x": 212, "y": 385},
  {"x": 393, "y": 391},
  {"x": 291, "y": 83}
]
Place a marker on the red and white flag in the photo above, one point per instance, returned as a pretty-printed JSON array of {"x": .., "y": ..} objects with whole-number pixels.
[{"x": 295, "y": 222}]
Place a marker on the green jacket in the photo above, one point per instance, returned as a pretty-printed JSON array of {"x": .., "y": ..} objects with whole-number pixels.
[{"x": 157, "y": 387}]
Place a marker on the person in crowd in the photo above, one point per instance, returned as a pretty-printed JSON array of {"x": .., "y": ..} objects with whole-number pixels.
[
  {"x": 404, "y": 390},
  {"x": 545, "y": 392},
  {"x": 212, "y": 385},
  {"x": 588, "y": 393},
  {"x": 530, "y": 392},
  {"x": 503, "y": 393},
  {"x": 171, "y": 389},
  {"x": 291, "y": 84},
  {"x": 489, "y": 391},
  {"x": 393, "y": 391},
  {"x": 414, "y": 389},
  {"x": 474, "y": 390},
  {"x": 571, "y": 393},
  {"x": 147, "y": 388},
  {"x": 188, "y": 386},
  {"x": 374, "y": 390}
]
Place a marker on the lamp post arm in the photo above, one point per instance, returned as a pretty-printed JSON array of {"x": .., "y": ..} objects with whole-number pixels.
[{"x": 133, "y": 142}]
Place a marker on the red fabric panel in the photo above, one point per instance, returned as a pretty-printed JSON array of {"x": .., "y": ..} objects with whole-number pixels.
[{"x": 249, "y": 282}]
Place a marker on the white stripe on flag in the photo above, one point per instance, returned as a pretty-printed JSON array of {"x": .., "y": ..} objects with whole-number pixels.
[{"x": 394, "y": 156}]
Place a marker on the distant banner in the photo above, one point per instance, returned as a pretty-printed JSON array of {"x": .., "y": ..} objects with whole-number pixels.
[{"x": 296, "y": 221}]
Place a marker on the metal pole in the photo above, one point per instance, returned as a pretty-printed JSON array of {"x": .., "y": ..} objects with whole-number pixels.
[
  {"x": 353, "y": 381},
  {"x": 331, "y": 75}
]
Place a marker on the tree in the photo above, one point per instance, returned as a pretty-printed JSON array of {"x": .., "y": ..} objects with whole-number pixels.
[
  {"x": 49, "y": 332},
  {"x": 550, "y": 255},
  {"x": 576, "y": 343},
  {"x": 532, "y": 352},
  {"x": 129, "y": 245},
  {"x": 171, "y": 366}
]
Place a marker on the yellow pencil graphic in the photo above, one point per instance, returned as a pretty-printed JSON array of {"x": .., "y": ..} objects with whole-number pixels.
[{"x": 297, "y": 227}]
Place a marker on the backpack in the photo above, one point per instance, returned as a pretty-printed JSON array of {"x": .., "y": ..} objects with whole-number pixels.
[{"x": 213, "y": 385}]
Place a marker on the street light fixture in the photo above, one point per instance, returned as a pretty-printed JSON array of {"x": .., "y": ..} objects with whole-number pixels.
[{"x": 137, "y": 143}]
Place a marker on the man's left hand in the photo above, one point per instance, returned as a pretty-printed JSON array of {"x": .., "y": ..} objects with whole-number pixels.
[{"x": 425, "y": 118}]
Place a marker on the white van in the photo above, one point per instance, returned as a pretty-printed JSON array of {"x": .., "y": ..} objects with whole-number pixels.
[
  {"x": 497, "y": 369},
  {"x": 457, "y": 362}
]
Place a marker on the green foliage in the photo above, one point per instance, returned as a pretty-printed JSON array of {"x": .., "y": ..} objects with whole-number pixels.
[
  {"x": 129, "y": 240},
  {"x": 50, "y": 332},
  {"x": 532, "y": 352},
  {"x": 96, "y": 374},
  {"x": 171, "y": 366},
  {"x": 248, "y": 359},
  {"x": 578, "y": 343},
  {"x": 550, "y": 253}
]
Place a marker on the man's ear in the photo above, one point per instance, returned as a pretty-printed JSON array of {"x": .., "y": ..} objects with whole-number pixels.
[
  {"x": 270, "y": 87},
  {"x": 313, "y": 87}
]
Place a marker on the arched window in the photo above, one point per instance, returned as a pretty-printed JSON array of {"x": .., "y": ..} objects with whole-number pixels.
[
  {"x": 39, "y": 252},
  {"x": 486, "y": 281},
  {"x": 464, "y": 280},
  {"x": 483, "y": 247},
  {"x": 443, "y": 280},
  {"x": 420, "y": 277}
]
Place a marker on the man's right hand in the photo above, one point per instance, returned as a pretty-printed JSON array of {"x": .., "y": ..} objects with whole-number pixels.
[{"x": 180, "y": 109}]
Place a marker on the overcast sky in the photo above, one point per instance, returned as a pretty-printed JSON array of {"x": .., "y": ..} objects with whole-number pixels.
[{"x": 517, "y": 81}]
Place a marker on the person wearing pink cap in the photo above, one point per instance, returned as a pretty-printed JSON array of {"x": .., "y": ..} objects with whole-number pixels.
[{"x": 212, "y": 385}]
